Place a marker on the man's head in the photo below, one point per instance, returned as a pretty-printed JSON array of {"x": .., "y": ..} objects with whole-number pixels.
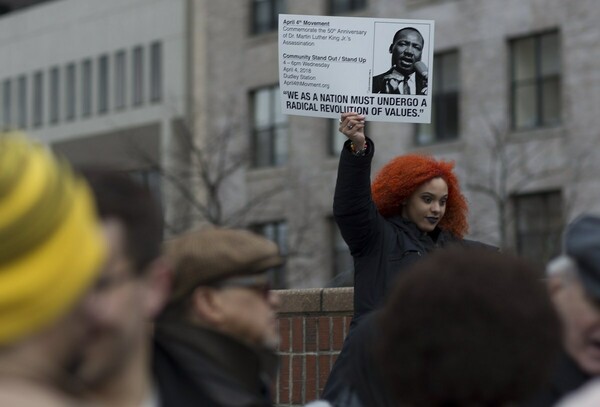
[
  {"x": 406, "y": 49},
  {"x": 51, "y": 252},
  {"x": 574, "y": 283},
  {"x": 221, "y": 283},
  {"x": 133, "y": 286},
  {"x": 467, "y": 327}
]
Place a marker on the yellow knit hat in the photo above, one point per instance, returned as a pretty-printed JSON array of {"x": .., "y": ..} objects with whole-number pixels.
[{"x": 51, "y": 248}]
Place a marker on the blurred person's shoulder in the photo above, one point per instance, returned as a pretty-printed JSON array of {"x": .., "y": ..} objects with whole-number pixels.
[{"x": 587, "y": 396}]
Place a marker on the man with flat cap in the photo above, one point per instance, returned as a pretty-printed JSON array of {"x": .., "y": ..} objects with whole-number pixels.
[
  {"x": 574, "y": 286},
  {"x": 217, "y": 338}
]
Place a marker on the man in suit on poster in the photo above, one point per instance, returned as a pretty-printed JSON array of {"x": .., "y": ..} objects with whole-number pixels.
[{"x": 408, "y": 75}]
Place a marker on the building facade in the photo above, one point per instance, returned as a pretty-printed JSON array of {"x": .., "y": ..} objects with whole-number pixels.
[
  {"x": 516, "y": 89},
  {"x": 515, "y": 98},
  {"x": 101, "y": 82}
]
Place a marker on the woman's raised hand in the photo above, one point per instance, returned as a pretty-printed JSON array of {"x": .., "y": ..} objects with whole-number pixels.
[{"x": 352, "y": 125}]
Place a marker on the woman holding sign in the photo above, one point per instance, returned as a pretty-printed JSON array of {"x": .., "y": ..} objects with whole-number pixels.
[{"x": 413, "y": 207}]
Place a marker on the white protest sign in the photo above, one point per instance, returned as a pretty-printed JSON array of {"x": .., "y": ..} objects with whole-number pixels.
[{"x": 378, "y": 67}]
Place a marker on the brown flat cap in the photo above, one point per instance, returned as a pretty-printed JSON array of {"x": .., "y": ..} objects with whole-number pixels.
[{"x": 208, "y": 256}]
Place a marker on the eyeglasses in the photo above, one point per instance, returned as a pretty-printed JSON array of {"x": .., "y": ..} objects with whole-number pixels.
[{"x": 263, "y": 288}]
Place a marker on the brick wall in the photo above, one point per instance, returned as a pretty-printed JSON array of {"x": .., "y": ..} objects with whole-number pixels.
[{"x": 313, "y": 324}]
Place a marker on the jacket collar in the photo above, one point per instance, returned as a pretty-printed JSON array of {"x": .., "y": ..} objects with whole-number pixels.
[
  {"x": 249, "y": 366},
  {"x": 411, "y": 227}
]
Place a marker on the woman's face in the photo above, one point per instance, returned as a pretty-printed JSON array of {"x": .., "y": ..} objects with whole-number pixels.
[{"x": 427, "y": 205}]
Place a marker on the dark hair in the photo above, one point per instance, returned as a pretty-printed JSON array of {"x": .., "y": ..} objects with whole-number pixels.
[
  {"x": 395, "y": 39},
  {"x": 118, "y": 196},
  {"x": 467, "y": 327}
]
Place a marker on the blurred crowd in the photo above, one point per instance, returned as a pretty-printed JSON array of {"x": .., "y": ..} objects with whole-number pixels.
[{"x": 97, "y": 308}]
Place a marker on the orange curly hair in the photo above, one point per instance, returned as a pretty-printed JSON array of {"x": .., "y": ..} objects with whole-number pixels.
[{"x": 399, "y": 178}]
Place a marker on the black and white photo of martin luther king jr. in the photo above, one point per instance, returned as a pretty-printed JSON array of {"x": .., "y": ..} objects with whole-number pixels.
[{"x": 408, "y": 75}]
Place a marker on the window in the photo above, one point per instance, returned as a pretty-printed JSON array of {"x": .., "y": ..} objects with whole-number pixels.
[
  {"x": 155, "y": 72},
  {"x": 535, "y": 81},
  {"x": 86, "y": 88},
  {"x": 148, "y": 178},
  {"x": 22, "y": 102},
  {"x": 539, "y": 224},
  {"x": 138, "y": 76},
  {"x": 269, "y": 136},
  {"x": 103, "y": 84},
  {"x": 343, "y": 264},
  {"x": 70, "y": 92},
  {"x": 445, "y": 110},
  {"x": 120, "y": 82},
  {"x": 336, "y": 138},
  {"x": 344, "y": 6},
  {"x": 54, "y": 95},
  {"x": 38, "y": 98},
  {"x": 277, "y": 232},
  {"x": 7, "y": 103},
  {"x": 265, "y": 15}
]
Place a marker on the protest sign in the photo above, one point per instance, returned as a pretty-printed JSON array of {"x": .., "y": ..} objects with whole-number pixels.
[{"x": 378, "y": 67}]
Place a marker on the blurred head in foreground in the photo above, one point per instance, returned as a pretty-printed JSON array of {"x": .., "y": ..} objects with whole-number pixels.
[
  {"x": 574, "y": 281},
  {"x": 468, "y": 327},
  {"x": 51, "y": 254},
  {"x": 131, "y": 290}
]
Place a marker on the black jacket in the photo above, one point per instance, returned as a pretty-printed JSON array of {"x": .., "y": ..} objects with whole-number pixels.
[
  {"x": 378, "y": 83},
  {"x": 567, "y": 378},
  {"x": 363, "y": 382},
  {"x": 200, "y": 367}
]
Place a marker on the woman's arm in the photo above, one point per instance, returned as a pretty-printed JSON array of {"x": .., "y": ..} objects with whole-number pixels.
[{"x": 353, "y": 207}]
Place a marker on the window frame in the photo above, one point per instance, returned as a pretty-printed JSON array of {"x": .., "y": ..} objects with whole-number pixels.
[
  {"x": 156, "y": 71},
  {"x": 543, "y": 206},
  {"x": 539, "y": 79},
  {"x": 339, "y": 249},
  {"x": 37, "y": 110},
  {"x": 54, "y": 95},
  {"x": 137, "y": 76},
  {"x": 276, "y": 7},
  {"x": 70, "y": 91},
  {"x": 442, "y": 97},
  {"x": 7, "y": 103},
  {"x": 272, "y": 130},
  {"x": 349, "y": 7},
  {"x": 22, "y": 101},
  {"x": 87, "y": 87},
  {"x": 335, "y": 139},
  {"x": 103, "y": 84},
  {"x": 277, "y": 275},
  {"x": 120, "y": 84}
]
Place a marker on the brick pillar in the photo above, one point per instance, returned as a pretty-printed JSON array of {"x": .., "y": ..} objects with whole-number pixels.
[{"x": 313, "y": 324}]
